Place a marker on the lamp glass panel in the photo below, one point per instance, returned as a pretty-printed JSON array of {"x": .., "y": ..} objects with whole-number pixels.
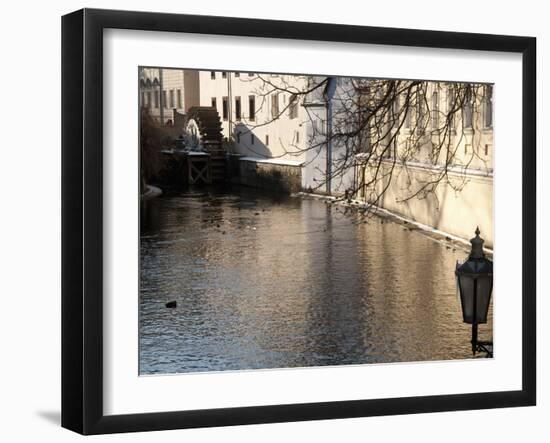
[
  {"x": 466, "y": 287},
  {"x": 484, "y": 289}
]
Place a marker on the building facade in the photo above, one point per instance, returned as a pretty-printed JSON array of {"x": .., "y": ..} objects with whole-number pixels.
[
  {"x": 330, "y": 161},
  {"x": 263, "y": 124},
  {"x": 261, "y": 117},
  {"x": 168, "y": 93},
  {"x": 437, "y": 158},
  {"x": 423, "y": 150}
]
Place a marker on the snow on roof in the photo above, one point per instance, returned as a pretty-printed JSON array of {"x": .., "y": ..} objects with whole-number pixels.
[
  {"x": 197, "y": 153},
  {"x": 273, "y": 161}
]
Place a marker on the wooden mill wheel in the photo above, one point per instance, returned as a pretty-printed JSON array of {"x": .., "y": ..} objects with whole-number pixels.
[{"x": 205, "y": 129}]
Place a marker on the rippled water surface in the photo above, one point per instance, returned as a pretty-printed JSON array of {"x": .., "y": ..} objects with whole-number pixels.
[{"x": 264, "y": 281}]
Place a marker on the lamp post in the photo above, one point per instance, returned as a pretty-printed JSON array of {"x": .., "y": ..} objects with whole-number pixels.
[{"x": 475, "y": 285}]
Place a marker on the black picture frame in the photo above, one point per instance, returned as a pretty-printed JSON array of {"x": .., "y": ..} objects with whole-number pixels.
[{"x": 82, "y": 218}]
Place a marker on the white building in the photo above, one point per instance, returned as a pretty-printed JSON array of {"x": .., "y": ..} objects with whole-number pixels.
[
  {"x": 330, "y": 164},
  {"x": 434, "y": 158},
  {"x": 261, "y": 117},
  {"x": 168, "y": 93}
]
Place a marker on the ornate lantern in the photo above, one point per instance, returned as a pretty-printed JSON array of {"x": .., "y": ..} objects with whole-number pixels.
[{"x": 475, "y": 285}]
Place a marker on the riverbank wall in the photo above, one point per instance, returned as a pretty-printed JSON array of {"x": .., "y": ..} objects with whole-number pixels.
[
  {"x": 272, "y": 174},
  {"x": 458, "y": 205}
]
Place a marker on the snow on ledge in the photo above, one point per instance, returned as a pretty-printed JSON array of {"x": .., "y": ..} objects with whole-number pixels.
[{"x": 272, "y": 161}]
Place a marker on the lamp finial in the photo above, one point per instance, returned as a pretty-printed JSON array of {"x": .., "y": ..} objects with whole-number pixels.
[{"x": 477, "y": 245}]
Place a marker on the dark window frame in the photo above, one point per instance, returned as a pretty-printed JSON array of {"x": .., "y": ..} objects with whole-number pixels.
[
  {"x": 252, "y": 108},
  {"x": 238, "y": 108},
  {"x": 293, "y": 107},
  {"x": 488, "y": 107},
  {"x": 171, "y": 97},
  {"x": 225, "y": 108}
]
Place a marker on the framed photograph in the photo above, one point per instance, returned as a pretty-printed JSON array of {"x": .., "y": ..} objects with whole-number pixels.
[{"x": 270, "y": 221}]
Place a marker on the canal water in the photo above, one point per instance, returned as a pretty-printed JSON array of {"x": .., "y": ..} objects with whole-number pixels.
[{"x": 272, "y": 281}]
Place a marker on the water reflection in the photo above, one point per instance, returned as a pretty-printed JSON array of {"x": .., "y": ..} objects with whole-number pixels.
[{"x": 269, "y": 281}]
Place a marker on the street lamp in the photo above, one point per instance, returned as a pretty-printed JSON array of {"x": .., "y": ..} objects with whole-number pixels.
[{"x": 475, "y": 284}]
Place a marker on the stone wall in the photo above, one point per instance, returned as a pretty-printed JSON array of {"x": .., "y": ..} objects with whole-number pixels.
[
  {"x": 279, "y": 177},
  {"x": 447, "y": 209}
]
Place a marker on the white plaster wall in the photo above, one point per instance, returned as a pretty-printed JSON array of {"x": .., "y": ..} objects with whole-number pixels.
[
  {"x": 448, "y": 210},
  {"x": 323, "y": 116},
  {"x": 315, "y": 165},
  {"x": 191, "y": 89},
  {"x": 286, "y": 135},
  {"x": 471, "y": 147}
]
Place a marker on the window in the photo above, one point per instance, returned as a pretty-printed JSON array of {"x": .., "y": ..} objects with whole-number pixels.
[
  {"x": 267, "y": 140},
  {"x": 156, "y": 99},
  {"x": 251, "y": 107},
  {"x": 297, "y": 136},
  {"x": 435, "y": 110},
  {"x": 488, "y": 109},
  {"x": 143, "y": 99},
  {"x": 251, "y": 74},
  {"x": 408, "y": 118},
  {"x": 379, "y": 96},
  {"x": 171, "y": 98},
  {"x": 237, "y": 108},
  {"x": 365, "y": 140},
  {"x": 293, "y": 107},
  {"x": 213, "y": 101},
  {"x": 421, "y": 115},
  {"x": 225, "y": 108},
  {"x": 486, "y": 149},
  {"x": 450, "y": 107},
  {"x": 395, "y": 108},
  {"x": 149, "y": 99},
  {"x": 468, "y": 109},
  {"x": 224, "y": 74},
  {"x": 237, "y": 74},
  {"x": 213, "y": 75},
  {"x": 178, "y": 95},
  {"x": 251, "y": 138},
  {"x": 164, "y": 101},
  {"x": 275, "y": 105}
]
